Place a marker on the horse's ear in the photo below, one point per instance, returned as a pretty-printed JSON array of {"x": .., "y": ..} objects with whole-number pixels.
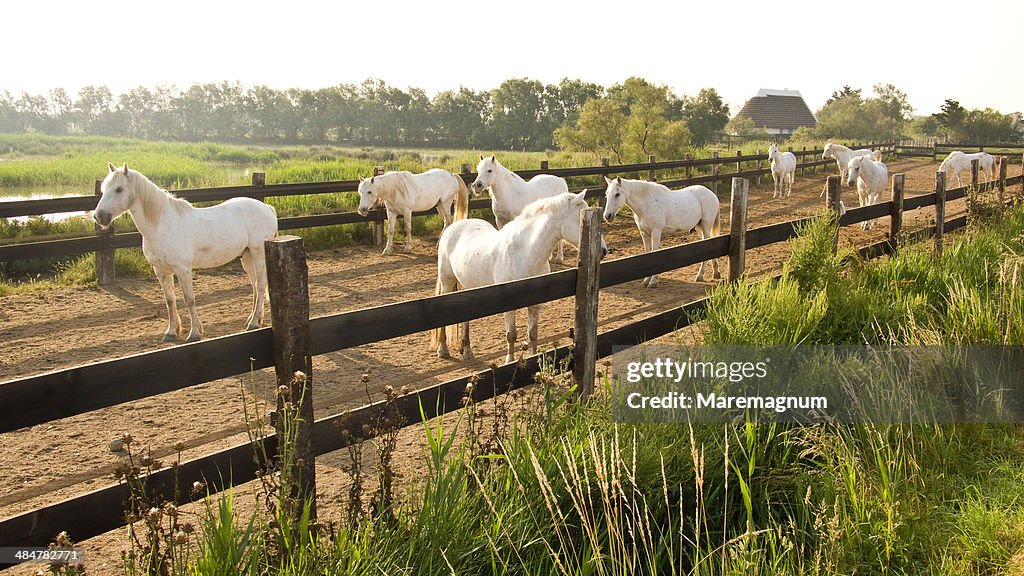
[
  {"x": 124, "y": 168},
  {"x": 111, "y": 166},
  {"x": 618, "y": 179},
  {"x": 481, "y": 156},
  {"x": 581, "y": 197},
  {"x": 371, "y": 179},
  {"x": 607, "y": 180},
  {"x": 361, "y": 179},
  {"x": 492, "y": 158}
]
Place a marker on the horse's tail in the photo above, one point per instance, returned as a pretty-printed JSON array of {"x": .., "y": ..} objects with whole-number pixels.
[
  {"x": 461, "y": 199},
  {"x": 438, "y": 333}
]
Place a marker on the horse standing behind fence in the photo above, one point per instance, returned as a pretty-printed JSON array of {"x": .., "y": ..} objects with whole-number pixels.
[
  {"x": 958, "y": 162},
  {"x": 783, "y": 170},
  {"x": 656, "y": 208},
  {"x": 871, "y": 178},
  {"x": 842, "y": 154},
  {"x": 403, "y": 193},
  {"x": 472, "y": 254},
  {"x": 178, "y": 238},
  {"x": 510, "y": 194}
]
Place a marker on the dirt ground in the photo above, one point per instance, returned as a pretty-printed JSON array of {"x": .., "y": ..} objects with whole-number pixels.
[{"x": 70, "y": 326}]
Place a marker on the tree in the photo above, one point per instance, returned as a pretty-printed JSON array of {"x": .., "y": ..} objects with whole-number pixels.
[
  {"x": 950, "y": 116},
  {"x": 845, "y": 92},
  {"x": 744, "y": 127},
  {"x": 599, "y": 130},
  {"x": 518, "y": 115},
  {"x": 705, "y": 115}
]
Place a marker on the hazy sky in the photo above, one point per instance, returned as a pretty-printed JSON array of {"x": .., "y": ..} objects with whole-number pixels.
[{"x": 814, "y": 47}]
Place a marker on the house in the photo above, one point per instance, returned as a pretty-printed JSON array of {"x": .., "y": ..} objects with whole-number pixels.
[{"x": 778, "y": 112}]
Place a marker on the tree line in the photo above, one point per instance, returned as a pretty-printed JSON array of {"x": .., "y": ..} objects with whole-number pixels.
[{"x": 520, "y": 114}]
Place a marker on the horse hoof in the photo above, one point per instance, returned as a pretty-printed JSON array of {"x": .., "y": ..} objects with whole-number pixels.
[
  {"x": 251, "y": 327},
  {"x": 170, "y": 338},
  {"x": 509, "y": 359},
  {"x": 443, "y": 355},
  {"x": 468, "y": 357},
  {"x": 193, "y": 338},
  {"x": 387, "y": 251}
]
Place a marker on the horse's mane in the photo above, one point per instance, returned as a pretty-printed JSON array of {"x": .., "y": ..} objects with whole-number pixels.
[
  {"x": 549, "y": 205},
  {"x": 631, "y": 186},
  {"x": 398, "y": 181},
  {"x": 154, "y": 199}
]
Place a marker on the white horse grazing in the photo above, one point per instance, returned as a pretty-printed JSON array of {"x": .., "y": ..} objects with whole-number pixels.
[
  {"x": 783, "y": 170},
  {"x": 842, "y": 154},
  {"x": 403, "y": 193},
  {"x": 472, "y": 253},
  {"x": 510, "y": 194},
  {"x": 871, "y": 178},
  {"x": 958, "y": 162},
  {"x": 656, "y": 208},
  {"x": 177, "y": 238}
]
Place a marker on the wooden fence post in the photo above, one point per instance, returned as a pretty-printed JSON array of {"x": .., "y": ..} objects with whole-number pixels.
[
  {"x": 105, "y": 256},
  {"x": 974, "y": 175},
  {"x": 760, "y": 163},
  {"x": 1002, "y": 184},
  {"x": 588, "y": 271},
  {"x": 896, "y": 215},
  {"x": 652, "y": 174},
  {"x": 739, "y": 161},
  {"x": 378, "y": 220},
  {"x": 259, "y": 181},
  {"x": 803, "y": 161},
  {"x": 288, "y": 279},
  {"x": 714, "y": 173},
  {"x": 940, "y": 209},
  {"x": 935, "y": 151},
  {"x": 543, "y": 164},
  {"x": 689, "y": 168},
  {"x": 832, "y": 192},
  {"x": 738, "y": 228}
]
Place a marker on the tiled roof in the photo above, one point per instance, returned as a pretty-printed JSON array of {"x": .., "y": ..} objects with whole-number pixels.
[{"x": 782, "y": 112}]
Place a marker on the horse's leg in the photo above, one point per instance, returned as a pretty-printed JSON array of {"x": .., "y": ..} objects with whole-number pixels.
[
  {"x": 789, "y": 183},
  {"x": 557, "y": 257},
  {"x": 389, "y": 246},
  {"x": 705, "y": 231},
  {"x": 185, "y": 278},
  {"x": 173, "y": 320},
  {"x": 510, "y": 336},
  {"x": 446, "y": 213},
  {"x": 259, "y": 263},
  {"x": 249, "y": 267},
  {"x": 775, "y": 185},
  {"x": 407, "y": 218},
  {"x": 467, "y": 350},
  {"x": 646, "y": 239},
  {"x": 655, "y": 242},
  {"x": 532, "y": 322}
]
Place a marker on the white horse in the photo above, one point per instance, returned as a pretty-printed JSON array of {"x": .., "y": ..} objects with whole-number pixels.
[
  {"x": 871, "y": 178},
  {"x": 177, "y": 238},
  {"x": 510, "y": 194},
  {"x": 958, "y": 162},
  {"x": 403, "y": 193},
  {"x": 783, "y": 170},
  {"x": 472, "y": 253},
  {"x": 656, "y": 208},
  {"x": 842, "y": 154}
]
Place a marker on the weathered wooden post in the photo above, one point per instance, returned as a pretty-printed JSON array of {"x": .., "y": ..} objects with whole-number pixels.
[
  {"x": 739, "y": 161},
  {"x": 832, "y": 198},
  {"x": 105, "y": 255},
  {"x": 935, "y": 151},
  {"x": 259, "y": 181},
  {"x": 288, "y": 279},
  {"x": 605, "y": 161},
  {"x": 738, "y": 228},
  {"x": 378, "y": 217},
  {"x": 760, "y": 164},
  {"x": 465, "y": 169},
  {"x": 896, "y": 214},
  {"x": 689, "y": 168},
  {"x": 803, "y": 161},
  {"x": 652, "y": 174},
  {"x": 714, "y": 173},
  {"x": 543, "y": 164},
  {"x": 974, "y": 174},
  {"x": 588, "y": 270},
  {"x": 1002, "y": 184},
  {"x": 940, "y": 209}
]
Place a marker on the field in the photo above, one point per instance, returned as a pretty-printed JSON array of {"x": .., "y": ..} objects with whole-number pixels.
[{"x": 47, "y": 329}]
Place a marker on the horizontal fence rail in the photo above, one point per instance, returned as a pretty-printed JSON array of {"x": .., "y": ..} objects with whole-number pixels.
[{"x": 61, "y": 393}]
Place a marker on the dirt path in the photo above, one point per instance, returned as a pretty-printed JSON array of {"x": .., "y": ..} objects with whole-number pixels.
[{"x": 70, "y": 326}]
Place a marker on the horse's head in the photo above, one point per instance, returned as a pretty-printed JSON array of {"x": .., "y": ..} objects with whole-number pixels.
[
  {"x": 853, "y": 169},
  {"x": 368, "y": 194},
  {"x": 614, "y": 198},
  {"x": 773, "y": 151},
  {"x": 569, "y": 219},
  {"x": 486, "y": 173},
  {"x": 116, "y": 195},
  {"x": 827, "y": 153}
]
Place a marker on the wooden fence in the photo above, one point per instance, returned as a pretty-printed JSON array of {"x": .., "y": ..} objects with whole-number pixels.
[
  {"x": 295, "y": 338},
  {"x": 105, "y": 242}
]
